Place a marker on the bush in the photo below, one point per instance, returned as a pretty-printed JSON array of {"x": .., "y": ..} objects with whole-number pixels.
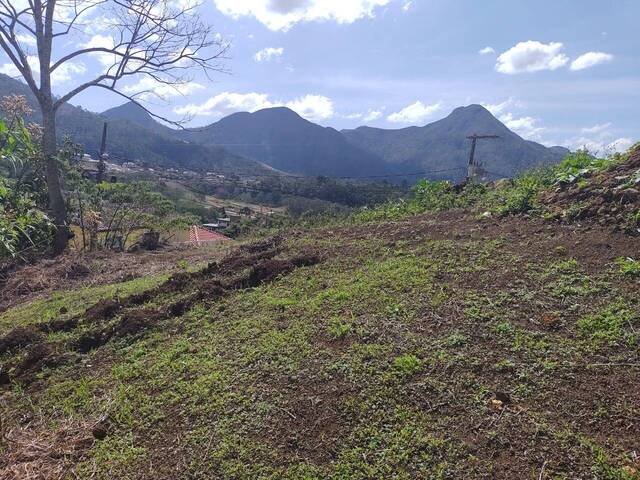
[
  {"x": 579, "y": 164},
  {"x": 22, "y": 225}
]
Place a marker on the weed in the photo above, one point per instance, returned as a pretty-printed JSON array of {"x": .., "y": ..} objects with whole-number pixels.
[
  {"x": 407, "y": 365},
  {"x": 628, "y": 267},
  {"x": 338, "y": 329},
  {"x": 606, "y": 326}
]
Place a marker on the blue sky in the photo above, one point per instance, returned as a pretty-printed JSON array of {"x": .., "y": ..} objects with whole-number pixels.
[{"x": 558, "y": 72}]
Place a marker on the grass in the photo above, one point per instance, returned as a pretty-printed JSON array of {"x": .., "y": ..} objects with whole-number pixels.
[
  {"x": 71, "y": 303},
  {"x": 380, "y": 362}
]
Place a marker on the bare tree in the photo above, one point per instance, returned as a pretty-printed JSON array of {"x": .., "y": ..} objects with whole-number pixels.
[{"x": 162, "y": 40}]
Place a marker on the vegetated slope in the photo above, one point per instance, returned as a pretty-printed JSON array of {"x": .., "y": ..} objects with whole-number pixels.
[
  {"x": 443, "y": 144},
  {"x": 129, "y": 141},
  {"x": 284, "y": 140},
  {"x": 435, "y": 346},
  {"x": 610, "y": 196}
]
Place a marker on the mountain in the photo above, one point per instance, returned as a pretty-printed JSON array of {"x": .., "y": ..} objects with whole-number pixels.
[
  {"x": 281, "y": 138},
  {"x": 137, "y": 138},
  {"x": 444, "y": 145},
  {"x": 134, "y": 114},
  {"x": 284, "y": 140}
]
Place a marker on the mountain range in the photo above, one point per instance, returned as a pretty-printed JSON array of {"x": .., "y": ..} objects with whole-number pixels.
[{"x": 280, "y": 139}]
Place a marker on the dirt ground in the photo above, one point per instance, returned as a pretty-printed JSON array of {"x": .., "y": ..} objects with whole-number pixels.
[
  {"x": 83, "y": 269},
  {"x": 440, "y": 346}
]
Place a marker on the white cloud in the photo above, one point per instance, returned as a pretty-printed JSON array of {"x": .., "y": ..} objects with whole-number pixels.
[
  {"x": 26, "y": 39},
  {"x": 62, "y": 74},
  {"x": 415, "y": 113},
  {"x": 487, "y": 51},
  {"x": 66, "y": 72},
  {"x": 407, "y": 5},
  {"x": 599, "y": 146},
  {"x": 373, "y": 115},
  {"x": 283, "y": 14},
  {"x": 226, "y": 103},
  {"x": 498, "y": 109},
  {"x": 102, "y": 41},
  {"x": 147, "y": 88},
  {"x": 531, "y": 56},
  {"x": 590, "y": 59},
  {"x": 267, "y": 54},
  {"x": 599, "y": 140},
  {"x": 600, "y": 128},
  {"x": 526, "y": 127},
  {"x": 311, "y": 107}
]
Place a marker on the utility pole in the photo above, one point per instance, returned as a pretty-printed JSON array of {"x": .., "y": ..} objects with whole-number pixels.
[
  {"x": 102, "y": 167},
  {"x": 474, "y": 171}
]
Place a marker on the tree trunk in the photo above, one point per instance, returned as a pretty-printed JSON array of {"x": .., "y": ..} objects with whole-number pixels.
[{"x": 56, "y": 200}]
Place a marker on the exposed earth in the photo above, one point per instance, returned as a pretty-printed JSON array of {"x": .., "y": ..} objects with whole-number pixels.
[{"x": 439, "y": 346}]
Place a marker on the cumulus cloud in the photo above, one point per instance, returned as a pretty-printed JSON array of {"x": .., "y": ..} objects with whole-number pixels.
[
  {"x": 531, "y": 56},
  {"x": 283, "y": 14},
  {"x": 311, "y": 107},
  {"x": 487, "y": 51},
  {"x": 599, "y": 146},
  {"x": 62, "y": 74},
  {"x": 267, "y": 54},
  {"x": 372, "y": 115},
  {"x": 590, "y": 59},
  {"x": 599, "y": 139},
  {"x": 527, "y": 127},
  {"x": 102, "y": 41},
  {"x": 26, "y": 39},
  {"x": 415, "y": 113},
  {"x": 147, "y": 88},
  {"x": 498, "y": 109},
  {"x": 603, "y": 127}
]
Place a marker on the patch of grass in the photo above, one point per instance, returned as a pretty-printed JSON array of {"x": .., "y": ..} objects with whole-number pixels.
[
  {"x": 338, "y": 329},
  {"x": 566, "y": 278},
  {"x": 406, "y": 365},
  {"x": 73, "y": 302},
  {"x": 393, "y": 445},
  {"x": 607, "y": 326},
  {"x": 628, "y": 267}
]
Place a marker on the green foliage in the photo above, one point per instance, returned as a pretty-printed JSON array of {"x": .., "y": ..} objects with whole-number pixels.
[
  {"x": 628, "y": 266},
  {"x": 23, "y": 224},
  {"x": 579, "y": 164},
  {"x": 607, "y": 325},
  {"x": 519, "y": 195},
  {"x": 407, "y": 365}
]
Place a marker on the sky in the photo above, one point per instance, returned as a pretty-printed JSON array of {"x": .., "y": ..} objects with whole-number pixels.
[{"x": 557, "y": 72}]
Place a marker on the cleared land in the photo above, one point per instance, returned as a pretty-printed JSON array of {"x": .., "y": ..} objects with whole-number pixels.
[{"x": 440, "y": 346}]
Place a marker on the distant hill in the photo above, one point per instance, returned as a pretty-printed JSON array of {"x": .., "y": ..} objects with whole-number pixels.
[
  {"x": 284, "y": 140},
  {"x": 137, "y": 139},
  {"x": 443, "y": 144}
]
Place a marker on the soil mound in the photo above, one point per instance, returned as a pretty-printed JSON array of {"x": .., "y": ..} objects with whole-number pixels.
[{"x": 611, "y": 197}]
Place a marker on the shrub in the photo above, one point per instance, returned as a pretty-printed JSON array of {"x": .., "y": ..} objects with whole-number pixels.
[
  {"x": 579, "y": 164},
  {"x": 407, "y": 365},
  {"x": 628, "y": 266}
]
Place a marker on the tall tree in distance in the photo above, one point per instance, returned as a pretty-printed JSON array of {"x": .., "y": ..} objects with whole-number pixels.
[{"x": 155, "y": 43}]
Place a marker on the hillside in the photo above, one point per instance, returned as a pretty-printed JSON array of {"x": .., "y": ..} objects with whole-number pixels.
[
  {"x": 130, "y": 141},
  {"x": 284, "y": 140},
  {"x": 443, "y": 144},
  {"x": 435, "y": 345},
  {"x": 277, "y": 137}
]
